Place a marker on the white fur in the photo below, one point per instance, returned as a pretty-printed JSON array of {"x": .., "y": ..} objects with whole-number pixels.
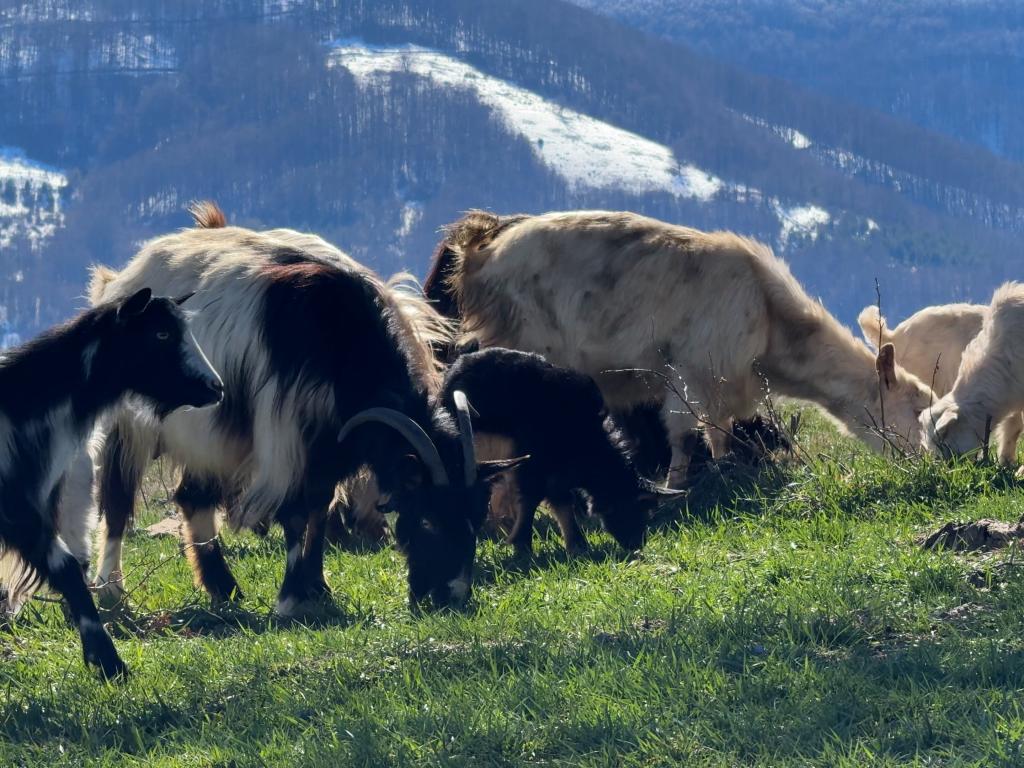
[
  {"x": 222, "y": 267},
  {"x": 610, "y": 292},
  {"x": 110, "y": 569},
  {"x": 930, "y": 344},
  {"x": 989, "y": 384},
  {"x": 76, "y": 520},
  {"x": 202, "y": 526},
  {"x": 194, "y": 359}
]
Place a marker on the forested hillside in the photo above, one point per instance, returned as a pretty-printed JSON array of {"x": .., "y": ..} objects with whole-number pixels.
[
  {"x": 954, "y": 67},
  {"x": 374, "y": 124}
]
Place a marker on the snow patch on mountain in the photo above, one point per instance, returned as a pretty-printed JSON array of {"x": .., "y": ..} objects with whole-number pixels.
[
  {"x": 791, "y": 136},
  {"x": 805, "y": 221},
  {"x": 586, "y": 152},
  {"x": 30, "y": 198},
  {"x": 412, "y": 214},
  {"x": 952, "y": 199}
]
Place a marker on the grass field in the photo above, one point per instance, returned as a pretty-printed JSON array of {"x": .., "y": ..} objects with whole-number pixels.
[{"x": 787, "y": 618}]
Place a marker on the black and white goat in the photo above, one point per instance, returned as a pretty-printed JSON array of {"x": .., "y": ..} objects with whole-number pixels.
[
  {"x": 52, "y": 391},
  {"x": 325, "y": 371},
  {"x": 523, "y": 404}
]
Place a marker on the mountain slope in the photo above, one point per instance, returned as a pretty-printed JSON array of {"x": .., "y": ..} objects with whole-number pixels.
[
  {"x": 955, "y": 68},
  {"x": 374, "y": 124}
]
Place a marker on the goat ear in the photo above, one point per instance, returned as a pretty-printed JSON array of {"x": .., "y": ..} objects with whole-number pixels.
[
  {"x": 489, "y": 471},
  {"x": 410, "y": 472},
  {"x": 885, "y": 364},
  {"x": 135, "y": 304},
  {"x": 945, "y": 422}
]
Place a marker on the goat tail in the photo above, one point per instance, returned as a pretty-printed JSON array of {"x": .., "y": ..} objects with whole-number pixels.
[
  {"x": 206, "y": 214},
  {"x": 872, "y": 324},
  {"x": 99, "y": 278}
]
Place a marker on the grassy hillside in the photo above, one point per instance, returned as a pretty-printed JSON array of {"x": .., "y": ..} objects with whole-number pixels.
[{"x": 788, "y": 618}]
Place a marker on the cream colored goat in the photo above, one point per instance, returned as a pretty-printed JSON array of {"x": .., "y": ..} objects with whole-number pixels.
[
  {"x": 930, "y": 344},
  {"x": 615, "y": 294},
  {"x": 989, "y": 387}
]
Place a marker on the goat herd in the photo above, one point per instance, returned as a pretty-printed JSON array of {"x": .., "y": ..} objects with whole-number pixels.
[{"x": 332, "y": 392}]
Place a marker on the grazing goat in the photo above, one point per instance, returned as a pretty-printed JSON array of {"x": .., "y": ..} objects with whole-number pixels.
[
  {"x": 629, "y": 300},
  {"x": 324, "y": 372},
  {"x": 52, "y": 391},
  {"x": 989, "y": 387},
  {"x": 525, "y": 405},
  {"x": 930, "y": 344}
]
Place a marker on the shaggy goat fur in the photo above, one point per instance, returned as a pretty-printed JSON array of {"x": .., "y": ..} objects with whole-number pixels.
[
  {"x": 633, "y": 301},
  {"x": 931, "y": 344},
  {"x": 988, "y": 387},
  {"x": 52, "y": 391},
  {"x": 306, "y": 338}
]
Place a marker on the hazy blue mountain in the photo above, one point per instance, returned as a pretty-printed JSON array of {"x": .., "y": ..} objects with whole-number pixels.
[
  {"x": 954, "y": 67},
  {"x": 375, "y": 123}
]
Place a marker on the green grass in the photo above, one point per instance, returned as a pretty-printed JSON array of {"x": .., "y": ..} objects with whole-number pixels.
[{"x": 788, "y": 618}]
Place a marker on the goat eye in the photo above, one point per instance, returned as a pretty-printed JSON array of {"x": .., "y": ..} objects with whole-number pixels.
[{"x": 163, "y": 335}]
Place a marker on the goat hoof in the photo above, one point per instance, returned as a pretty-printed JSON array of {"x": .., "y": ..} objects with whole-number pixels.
[
  {"x": 99, "y": 651},
  {"x": 318, "y": 590},
  {"x": 234, "y": 597},
  {"x": 110, "y": 592},
  {"x": 524, "y": 554},
  {"x": 114, "y": 670},
  {"x": 287, "y": 607},
  {"x": 576, "y": 549}
]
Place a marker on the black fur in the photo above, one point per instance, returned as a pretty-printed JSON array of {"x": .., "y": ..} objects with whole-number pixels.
[
  {"x": 752, "y": 440},
  {"x": 646, "y": 430},
  {"x": 435, "y": 287},
  {"x": 558, "y": 417},
  {"x": 196, "y": 495},
  {"x": 366, "y": 363},
  {"x": 133, "y": 346}
]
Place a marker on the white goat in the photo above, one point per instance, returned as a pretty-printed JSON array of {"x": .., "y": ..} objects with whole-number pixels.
[{"x": 989, "y": 387}]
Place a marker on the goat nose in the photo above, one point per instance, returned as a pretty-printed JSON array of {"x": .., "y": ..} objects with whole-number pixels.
[{"x": 218, "y": 387}]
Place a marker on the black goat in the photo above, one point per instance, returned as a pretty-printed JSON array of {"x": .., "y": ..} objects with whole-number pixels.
[
  {"x": 52, "y": 390},
  {"x": 558, "y": 417},
  {"x": 327, "y": 368}
]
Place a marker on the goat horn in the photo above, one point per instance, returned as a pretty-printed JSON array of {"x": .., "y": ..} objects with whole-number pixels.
[
  {"x": 407, "y": 428},
  {"x": 462, "y": 413}
]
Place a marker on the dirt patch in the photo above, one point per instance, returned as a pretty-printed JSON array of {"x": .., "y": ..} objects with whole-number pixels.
[
  {"x": 169, "y": 526},
  {"x": 964, "y": 614},
  {"x": 980, "y": 535}
]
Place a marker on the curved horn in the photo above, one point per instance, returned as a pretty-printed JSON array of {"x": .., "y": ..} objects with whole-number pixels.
[
  {"x": 182, "y": 299},
  {"x": 669, "y": 493},
  {"x": 407, "y": 428},
  {"x": 462, "y": 411}
]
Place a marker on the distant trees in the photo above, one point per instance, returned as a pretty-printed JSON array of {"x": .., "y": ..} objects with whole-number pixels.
[{"x": 252, "y": 117}]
